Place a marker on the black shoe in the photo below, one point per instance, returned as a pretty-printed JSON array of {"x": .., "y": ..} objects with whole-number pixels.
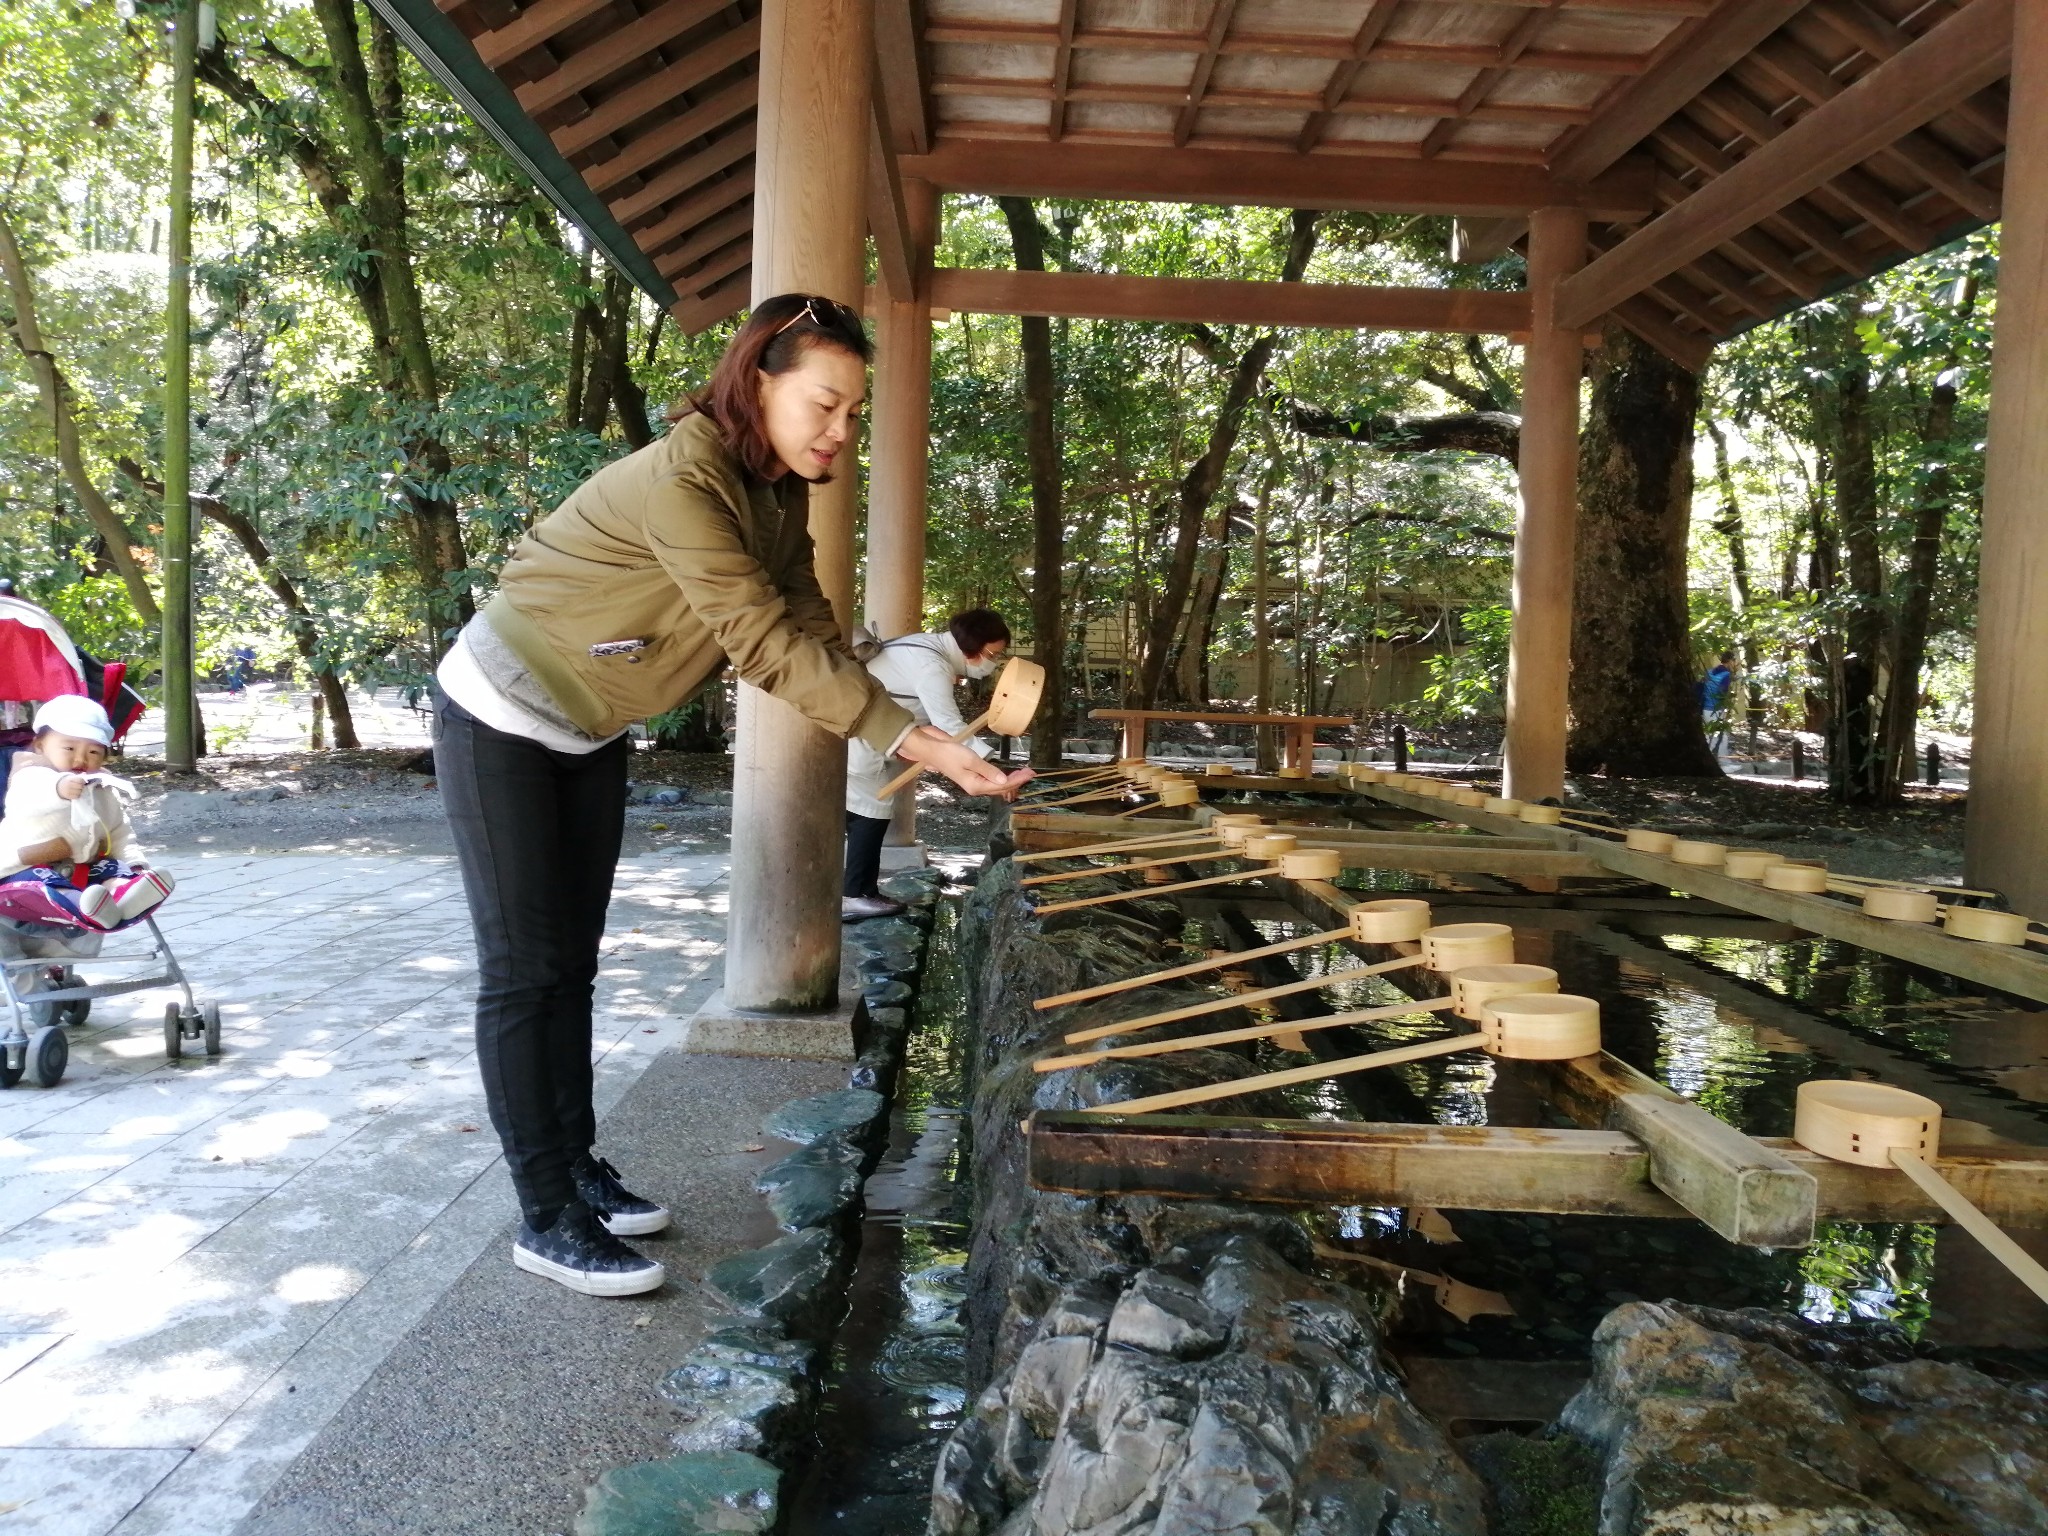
[
  {"x": 623, "y": 1213},
  {"x": 577, "y": 1252}
]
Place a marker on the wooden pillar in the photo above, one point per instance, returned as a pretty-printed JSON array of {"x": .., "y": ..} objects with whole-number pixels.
[
  {"x": 789, "y": 777},
  {"x": 1540, "y": 643},
  {"x": 1135, "y": 732},
  {"x": 899, "y": 458},
  {"x": 2006, "y": 844}
]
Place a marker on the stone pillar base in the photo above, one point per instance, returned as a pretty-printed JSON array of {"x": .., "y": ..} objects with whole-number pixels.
[
  {"x": 719, "y": 1029},
  {"x": 903, "y": 856}
]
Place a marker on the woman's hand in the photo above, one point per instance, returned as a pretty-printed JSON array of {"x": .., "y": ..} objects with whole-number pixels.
[{"x": 934, "y": 749}]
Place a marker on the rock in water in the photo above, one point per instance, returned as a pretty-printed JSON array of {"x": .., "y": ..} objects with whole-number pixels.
[
  {"x": 725, "y": 1491},
  {"x": 787, "y": 1280},
  {"x": 810, "y": 1187},
  {"x": 1709, "y": 1430},
  {"x": 743, "y": 1388}
]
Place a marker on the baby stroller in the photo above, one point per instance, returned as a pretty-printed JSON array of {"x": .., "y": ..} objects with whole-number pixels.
[{"x": 38, "y": 959}]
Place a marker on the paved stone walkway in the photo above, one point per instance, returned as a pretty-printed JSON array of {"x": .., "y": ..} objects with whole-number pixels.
[{"x": 201, "y": 1262}]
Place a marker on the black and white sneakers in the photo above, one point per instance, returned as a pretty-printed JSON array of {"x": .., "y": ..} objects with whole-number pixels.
[
  {"x": 623, "y": 1213},
  {"x": 578, "y": 1252}
]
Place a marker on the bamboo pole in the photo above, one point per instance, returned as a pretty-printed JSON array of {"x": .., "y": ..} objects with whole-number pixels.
[
  {"x": 1241, "y": 999},
  {"x": 181, "y": 739},
  {"x": 1238, "y": 1036}
]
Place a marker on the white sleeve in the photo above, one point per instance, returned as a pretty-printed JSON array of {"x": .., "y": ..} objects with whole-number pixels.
[
  {"x": 935, "y": 682},
  {"x": 32, "y": 791}
]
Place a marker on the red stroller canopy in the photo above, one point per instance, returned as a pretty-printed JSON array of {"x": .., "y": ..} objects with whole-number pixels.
[{"x": 38, "y": 662}]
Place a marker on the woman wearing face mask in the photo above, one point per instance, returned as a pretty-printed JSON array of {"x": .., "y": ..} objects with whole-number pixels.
[
  {"x": 919, "y": 672},
  {"x": 662, "y": 567}
]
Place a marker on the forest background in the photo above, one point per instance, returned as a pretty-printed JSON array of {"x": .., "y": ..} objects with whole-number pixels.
[{"x": 402, "y": 358}]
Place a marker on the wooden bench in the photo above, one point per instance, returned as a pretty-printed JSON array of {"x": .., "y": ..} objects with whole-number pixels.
[{"x": 1299, "y": 740}]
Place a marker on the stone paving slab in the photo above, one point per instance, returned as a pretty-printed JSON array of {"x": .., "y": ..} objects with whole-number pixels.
[{"x": 201, "y": 1261}]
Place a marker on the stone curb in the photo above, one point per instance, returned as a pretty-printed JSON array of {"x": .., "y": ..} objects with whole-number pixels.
[{"x": 747, "y": 1393}]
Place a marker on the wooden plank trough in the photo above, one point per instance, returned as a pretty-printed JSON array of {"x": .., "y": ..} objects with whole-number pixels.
[{"x": 1635, "y": 1147}]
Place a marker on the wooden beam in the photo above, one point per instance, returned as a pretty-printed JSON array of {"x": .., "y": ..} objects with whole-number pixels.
[
  {"x": 686, "y": 177},
  {"x": 1480, "y": 240},
  {"x": 1881, "y": 38},
  {"x": 1260, "y": 98},
  {"x": 686, "y": 216},
  {"x": 1850, "y": 186},
  {"x": 664, "y": 139},
  {"x": 901, "y": 73},
  {"x": 1220, "y": 14},
  {"x": 1345, "y": 71},
  {"x": 1745, "y": 1192},
  {"x": 721, "y": 262},
  {"x": 1689, "y": 349},
  {"x": 704, "y": 310},
  {"x": 1335, "y": 306},
  {"x": 1062, "y": 68},
  {"x": 1796, "y": 71},
  {"x": 532, "y": 27},
  {"x": 1707, "y": 51},
  {"x": 1510, "y": 50},
  {"x": 629, "y": 45},
  {"x": 659, "y": 90},
  {"x": 710, "y": 237},
  {"x": 1470, "y": 1168},
  {"x": 1962, "y": 55},
  {"x": 888, "y": 220},
  {"x": 1273, "y": 179}
]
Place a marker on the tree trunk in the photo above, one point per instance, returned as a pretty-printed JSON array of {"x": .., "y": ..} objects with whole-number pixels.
[
  {"x": 1856, "y": 768},
  {"x": 1267, "y": 747},
  {"x": 1042, "y": 453},
  {"x": 1199, "y": 485},
  {"x": 1634, "y": 709},
  {"x": 1901, "y": 714},
  {"x": 579, "y": 340},
  {"x": 55, "y": 391},
  {"x": 1729, "y": 526},
  {"x": 608, "y": 349},
  {"x": 1191, "y": 666}
]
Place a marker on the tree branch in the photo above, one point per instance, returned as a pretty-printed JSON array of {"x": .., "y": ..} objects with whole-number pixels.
[{"x": 1490, "y": 432}]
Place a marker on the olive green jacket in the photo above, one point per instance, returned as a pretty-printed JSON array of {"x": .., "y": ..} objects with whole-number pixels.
[{"x": 677, "y": 553}]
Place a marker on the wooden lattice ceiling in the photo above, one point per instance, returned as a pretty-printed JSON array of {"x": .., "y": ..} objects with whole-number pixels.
[{"x": 651, "y": 103}]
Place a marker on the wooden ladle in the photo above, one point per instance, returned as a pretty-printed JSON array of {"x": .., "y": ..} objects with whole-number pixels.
[
  {"x": 1544, "y": 1026},
  {"x": 1292, "y": 864},
  {"x": 1878, "y": 1126},
  {"x": 1449, "y": 948},
  {"x": 1394, "y": 921},
  {"x": 1010, "y": 708}
]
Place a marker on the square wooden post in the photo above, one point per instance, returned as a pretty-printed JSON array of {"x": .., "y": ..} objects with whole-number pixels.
[
  {"x": 2006, "y": 843},
  {"x": 1540, "y": 642},
  {"x": 789, "y": 776}
]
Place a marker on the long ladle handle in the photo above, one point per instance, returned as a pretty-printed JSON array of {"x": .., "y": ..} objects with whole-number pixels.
[
  {"x": 1194, "y": 968},
  {"x": 1240, "y": 999},
  {"x": 2024, "y": 1266},
  {"x": 1238, "y": 1036},
  {"x": 1095, "y": 870},
  {"x": 1157, "y": 890},
  {"x": 1121, "y": 845},
  {"x": 1287, "y": 1078},
  {"x": 915, "y": 769}
]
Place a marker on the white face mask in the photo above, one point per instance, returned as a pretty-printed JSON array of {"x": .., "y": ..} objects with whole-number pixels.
[{"x": 985, "y": 667}]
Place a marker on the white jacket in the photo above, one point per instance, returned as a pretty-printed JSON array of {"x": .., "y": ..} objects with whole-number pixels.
[
  {"x": 920, "y": 672},
  {"x": 35, "y": 813}
]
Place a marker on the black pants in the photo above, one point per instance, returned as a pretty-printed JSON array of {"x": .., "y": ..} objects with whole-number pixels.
[
  {"x": 537, "y": 835},
  {"x": 864, "y": 836}
]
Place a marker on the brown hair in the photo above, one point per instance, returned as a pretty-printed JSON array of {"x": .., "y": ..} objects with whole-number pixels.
[
  {"x": 977, "y": 629},
  {"x": 773, "y": 341}
]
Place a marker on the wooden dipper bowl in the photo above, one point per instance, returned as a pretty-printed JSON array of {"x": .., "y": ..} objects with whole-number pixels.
[
  {"x": 1501, "y": 805},
  {"x": 1179, "y": 794},
  {"x": 1543, "y": 815},
  {"x": 1807, "y": 879},
  {"x": 1220, "y": 771},
  {"x": 1986, "y": 925},
  {"x": 1398, "y": 920},
  {"x": 1453, "y": 946},
  {"x": 1269, "y": 845},
  {"x": 1901, "y": 906},
  {"x": 1645, "y": 840},
  {"x": 1311, "y": 864},
  {"x": 1236, "y": 833},
  {"x": 1292, "y": 771},
  {"x": 1537, "y": 1026},
  {"x": 1698, "y": 855},
  {"x": 1479, "y": 984},
  {"x": 1468, "y": 797},
  {"x": 1749, "y": 863}
]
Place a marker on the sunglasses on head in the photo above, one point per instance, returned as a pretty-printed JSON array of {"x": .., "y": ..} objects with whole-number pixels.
[{"x": 810, "y": 311}]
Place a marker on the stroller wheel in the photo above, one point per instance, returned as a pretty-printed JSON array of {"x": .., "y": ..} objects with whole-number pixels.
[
  {"x": 210, "y": 1013},
  {"x": 75, "y": 1012},
  {"x": 48, "y": 1052},
  {"x": 174, "y": 1038}
]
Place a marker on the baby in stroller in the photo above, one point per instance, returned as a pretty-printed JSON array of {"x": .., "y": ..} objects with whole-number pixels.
[{"x": 67, "y": 852}]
